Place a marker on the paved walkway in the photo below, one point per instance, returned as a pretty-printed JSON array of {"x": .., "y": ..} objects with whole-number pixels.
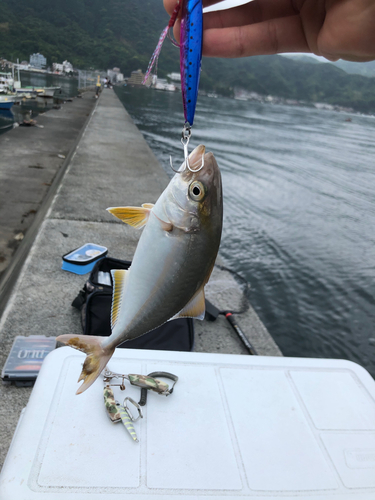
[
  {"x": 111, "y": 166},
  {"x": 29, "y": 160}
]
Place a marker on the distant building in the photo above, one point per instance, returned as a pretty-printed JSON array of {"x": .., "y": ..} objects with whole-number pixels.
[
  {"x": 65, "y": 67},
  {"x": 111, "y": 75},
  {"x": 24, "y": 65},
  {"x": 174, "y": 76},
  {"x": 162, "y": 84},
  {"x": 38, "y": 61},
  {"x": 136, "y": 78},
  {"x": 115, "y": 76},
  {"x": 56, "y": 67}
]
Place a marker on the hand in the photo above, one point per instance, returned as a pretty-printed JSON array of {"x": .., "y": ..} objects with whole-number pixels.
[{"x": 335, "y": 29}]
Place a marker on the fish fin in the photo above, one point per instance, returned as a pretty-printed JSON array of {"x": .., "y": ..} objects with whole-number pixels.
[
  {"x": 148, "y": 205},
  {"x": 196, "y": 308},
  {"x": 119, "y": 277},
  {"x": 96, "y": 359},
  {"x": 134, "y": 216}
]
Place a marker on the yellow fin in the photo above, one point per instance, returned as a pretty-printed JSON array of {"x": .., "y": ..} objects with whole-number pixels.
[
  {"x": 196, "y": 308},
  {"x": 119, "y": 279},
  {"x": 148, "y": 205},
  {"x": 96, "y": 359},
  {"x": 134, "y": 216}
]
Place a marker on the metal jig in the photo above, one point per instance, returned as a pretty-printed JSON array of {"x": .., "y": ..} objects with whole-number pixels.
[{"x": 122, "y": 413}]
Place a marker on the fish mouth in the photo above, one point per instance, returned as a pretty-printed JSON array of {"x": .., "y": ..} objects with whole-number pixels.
[{"x": 196, "y": 159}]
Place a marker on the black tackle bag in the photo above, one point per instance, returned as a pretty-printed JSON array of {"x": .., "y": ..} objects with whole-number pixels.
[{"x": 95, "y": 302}]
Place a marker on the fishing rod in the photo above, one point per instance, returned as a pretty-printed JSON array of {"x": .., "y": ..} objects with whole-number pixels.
[{"x": 212, "y": 313}]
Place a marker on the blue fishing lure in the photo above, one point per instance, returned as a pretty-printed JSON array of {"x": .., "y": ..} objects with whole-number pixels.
[{"x": 190, "y": 53}]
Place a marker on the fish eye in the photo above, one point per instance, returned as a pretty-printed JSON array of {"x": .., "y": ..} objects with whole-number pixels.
[{"x": 196, "y": 191}]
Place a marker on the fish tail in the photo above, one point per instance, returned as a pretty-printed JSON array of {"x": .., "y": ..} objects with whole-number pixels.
[{"x": 96, "y": 359}]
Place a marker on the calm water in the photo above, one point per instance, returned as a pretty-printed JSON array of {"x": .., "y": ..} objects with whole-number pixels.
[
  {"x": 299, "y": 212},
  {"x": 32, "y": 107}
]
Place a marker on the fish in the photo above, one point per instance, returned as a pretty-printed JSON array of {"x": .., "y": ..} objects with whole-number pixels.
[
  {"x": 173, "y": 261},
  {"x": 191, "y": 39}
]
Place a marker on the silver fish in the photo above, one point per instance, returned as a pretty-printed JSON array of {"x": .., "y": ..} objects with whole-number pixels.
[{"x": 172, "y": 262}]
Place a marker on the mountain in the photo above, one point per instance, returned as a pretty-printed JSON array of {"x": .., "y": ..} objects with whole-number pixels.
[
  {"x": 124, "y": 33},
  {"x": 365, "y": 69},
  {"x": 354, "y": 68}
]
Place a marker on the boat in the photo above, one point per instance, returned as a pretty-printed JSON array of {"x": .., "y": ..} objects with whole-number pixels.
[
  {"x": 28, "y": 92},
  {"x": 46, "y": 91},
  {"x": 7, "y": 100},
  {"x": 6, "y": 83}
]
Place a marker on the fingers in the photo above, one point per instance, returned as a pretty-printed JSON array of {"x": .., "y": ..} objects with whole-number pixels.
[
  {"x": 256, "y": 11},
  {"x": 260, "y": 27},
  {"x": 250, "y": 13},
  {"x": 269, "y": 37}
]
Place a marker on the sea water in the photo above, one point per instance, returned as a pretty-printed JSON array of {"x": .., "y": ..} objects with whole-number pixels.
[{"x": 299, "y": 212}]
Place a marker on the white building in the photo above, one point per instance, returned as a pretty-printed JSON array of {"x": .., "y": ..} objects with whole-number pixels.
[
  {"x": 59, "y": 68},
  {"x": 174, "y": 76},
  {"x": 115, "y": 76},
  {"x": 65, "y": 67},
  {"x": 38, "y": 61}
]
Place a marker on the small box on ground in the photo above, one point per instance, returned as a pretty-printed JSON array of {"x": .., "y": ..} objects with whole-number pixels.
[
  {"x": 25, "y": 359},
  {"x": 82, "y": 260}
]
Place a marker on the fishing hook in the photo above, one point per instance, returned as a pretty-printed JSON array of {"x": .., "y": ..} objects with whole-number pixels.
[{"x": 185, "y": 138}]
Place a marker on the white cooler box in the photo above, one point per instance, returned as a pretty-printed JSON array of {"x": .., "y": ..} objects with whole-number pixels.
[{"x": 243, "y": 427}]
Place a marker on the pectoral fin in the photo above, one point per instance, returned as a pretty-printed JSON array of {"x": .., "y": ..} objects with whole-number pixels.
[
  {"x": 134, "y": 216},
  {"x": 195, "y": 308},
  {"x": 119, "y": 277}
]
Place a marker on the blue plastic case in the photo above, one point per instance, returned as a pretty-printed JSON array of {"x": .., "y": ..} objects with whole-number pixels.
[{"x": 83, "y": 259}]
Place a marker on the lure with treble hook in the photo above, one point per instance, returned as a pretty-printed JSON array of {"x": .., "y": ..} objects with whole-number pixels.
[{"x": 191, "y": 35}]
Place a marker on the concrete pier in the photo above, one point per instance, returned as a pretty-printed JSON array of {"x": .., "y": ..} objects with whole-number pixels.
[
  {"x": 111, "y": 165},
  {"x": 30, "y": 158}
]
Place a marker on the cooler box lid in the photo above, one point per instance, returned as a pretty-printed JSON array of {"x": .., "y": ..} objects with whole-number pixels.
[{"x": 247, "y": 427}]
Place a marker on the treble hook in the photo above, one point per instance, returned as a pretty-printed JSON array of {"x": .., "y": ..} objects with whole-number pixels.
[{"x": 186, "y": 134}]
